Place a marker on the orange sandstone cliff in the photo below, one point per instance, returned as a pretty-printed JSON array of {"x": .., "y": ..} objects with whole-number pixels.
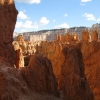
[
  {"x": 91, "y": 58},
  {"x": 8, "y": 15},
  {"x": 90, "y": 53},
  {"x": 73, "y": 82}
]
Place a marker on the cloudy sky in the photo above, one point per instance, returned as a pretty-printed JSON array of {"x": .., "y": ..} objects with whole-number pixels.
[{"x": 37, "y": 15}]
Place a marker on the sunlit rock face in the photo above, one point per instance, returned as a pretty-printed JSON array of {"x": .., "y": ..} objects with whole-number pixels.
[
  {"x": 86, "y": 37},
  {"x": 91, "y": 58},
  {"x": 90, "y": 53},
  {"x": 53, "y": 51},
  {"x": 8, "y": 15},
  {"x": 95, "y": 35}
]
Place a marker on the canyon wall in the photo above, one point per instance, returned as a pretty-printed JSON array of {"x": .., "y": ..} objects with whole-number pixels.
[
  {"x": 88, "y": 46},
  {"x": 50, "y": 35},
  {"x": 91, "y": 58},
  {"x": 37, "y": 81},
  {"x": 73, "y": 82},
  {"x": 90, "y": 53},
  {"x": 8, "y": 16},
  {"x": 39, "y": 75},
  {"x": 53, "y": 51}
]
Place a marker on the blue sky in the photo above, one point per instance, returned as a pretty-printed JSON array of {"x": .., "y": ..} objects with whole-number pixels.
[{"x": 37, "y": 15}]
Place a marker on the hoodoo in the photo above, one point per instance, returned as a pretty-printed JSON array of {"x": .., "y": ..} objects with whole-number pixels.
[{"x": 8, "y": 16}]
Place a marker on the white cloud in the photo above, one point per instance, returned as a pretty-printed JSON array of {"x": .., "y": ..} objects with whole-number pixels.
[
  {"x": 30, "y": 25},
  {"x": 43, "y": 21},
  {"x": 89, "y": 16},
  {"x": 98, "y": 20},
  {"x": 65, "y": 15},
  {"x": 54, "y": 20},
  {"x": 23, "y": 30},
  {"x": 29, "y": 1},
  {"x": 85, "y": 0},
  {"x": 22, "y": 15},
  {"x": 64, "y": 25},
  {"x": 25, "y": 25}
]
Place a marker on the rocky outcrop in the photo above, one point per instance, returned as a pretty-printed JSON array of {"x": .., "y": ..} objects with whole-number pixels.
[
  {"x": 53, "y": 51},
  {"x": 12, "y": 85},
  {"x": 8, "y": 14},
  {"x": 67, "y": 38},
  {"x": 86, "y": 36},
  {"x": 39, "y": 75},
  {"x": 36, "y": 82},
  {"x": 95, "y": 35},
  {"x": 91, "y": 52},
  {"x": 73, "y": 82},
  {"x": 50, "y": 35}
]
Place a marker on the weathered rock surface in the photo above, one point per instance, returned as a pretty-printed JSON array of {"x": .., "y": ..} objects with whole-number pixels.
[
  {"x": 12, "y": 85},
  {"x": 91, "y": 52},
  {"x": 36, "y": 82},
  {"x": 39, "y": 75},
  {"x": 95, "y": 35},
  {"x": 8, "y": 14},
  {"x": 73, "y": 82},
  {"x": 86, "y": 36},
  {"x": 52, "y": 50}
]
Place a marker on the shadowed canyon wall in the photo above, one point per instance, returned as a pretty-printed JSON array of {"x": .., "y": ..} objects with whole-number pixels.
[
  {"x": 35, "y": 82},
  {"x": 8, "y": 15},
  {"x": 73, "y": 82}
]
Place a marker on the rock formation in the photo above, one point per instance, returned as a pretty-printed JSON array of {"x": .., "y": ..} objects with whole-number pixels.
[
  {"x": 8, "y": 15},
  {"x": 67, "y": 38},
  {"x": 95, "y": 35},
  {"x": 86, "y": 37},
  {"x": 73, "y": 82},
  {"x": 91, "y": 58},
  {"x": 39, "y": 75},
  {"x": 90, "y": 51},
  {"x": 37, "y": 81},
  {"x": 58, "y": 37},
  {"x": 13, "y": 86},
  {"x": 52, "y": 50},
  {"x": 19, "y": 61}
]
